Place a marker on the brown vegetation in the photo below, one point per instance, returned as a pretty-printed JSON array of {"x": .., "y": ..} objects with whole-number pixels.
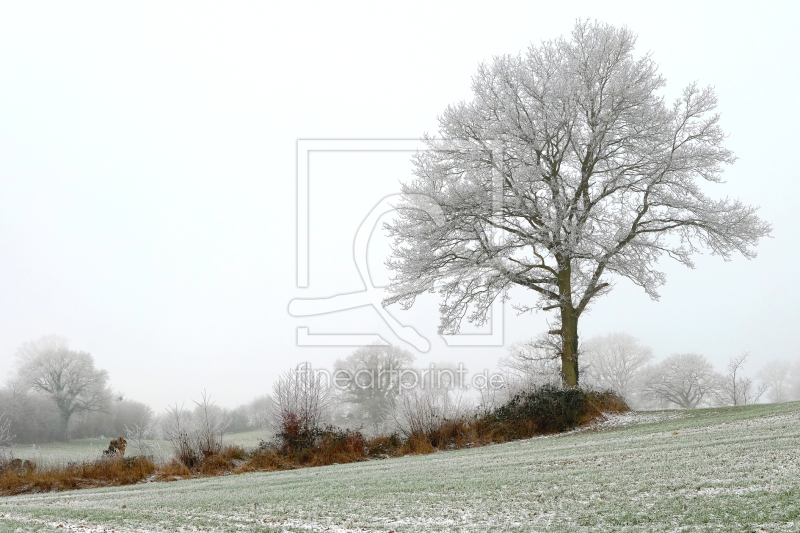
[
  {"x": 16, "y": 478},
  {"x": 546, "y": 410}
]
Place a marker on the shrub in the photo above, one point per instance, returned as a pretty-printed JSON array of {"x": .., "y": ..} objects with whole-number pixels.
[
  {"x": 172, "y": 471},
  {"x": 195, "y": 436},
  {"x": 384, "y": 445},
  {"x": 296, "y": 433},
  {"x": 546, "y": 409},
  {"x": 179, "y": 430},
  {"x": 422, "y": 411},
  {"x": 336, "y": 445}
]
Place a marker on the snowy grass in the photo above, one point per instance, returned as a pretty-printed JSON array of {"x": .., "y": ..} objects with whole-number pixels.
[{"x": 730, "y": 469}]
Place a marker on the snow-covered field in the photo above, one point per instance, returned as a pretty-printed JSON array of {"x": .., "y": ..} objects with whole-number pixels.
[{"x": 732, "y": 469}]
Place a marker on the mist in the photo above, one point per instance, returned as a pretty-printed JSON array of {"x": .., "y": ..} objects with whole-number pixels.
[{"x": 149, "y": 181}]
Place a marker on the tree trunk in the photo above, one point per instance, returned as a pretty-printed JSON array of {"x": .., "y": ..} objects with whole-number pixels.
[
  {"x": 569, "y": 328},
  {"x": 569, "y": 354},
  {"x": 63, "y": 425}
]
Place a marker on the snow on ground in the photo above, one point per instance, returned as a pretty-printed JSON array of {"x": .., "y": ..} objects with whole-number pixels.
[{"x": 732, "y": 469}]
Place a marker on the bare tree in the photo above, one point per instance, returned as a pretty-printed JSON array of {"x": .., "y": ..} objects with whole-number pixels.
[
  {"x": 178, "y": 428},
  {"x": 301, "y": 396},
  {"x": 566, "y": 168},
  {"x": 779, "y": 376},
  {"x": 69, "y": 378},
  {"x": 611, "y": 361},
  {"x": 794, "y": 389},
  {"x": 735, "y": 387},
  {"x": 682, "y": 380},
  {"x": 531, "y": 364},
  {"x": 209, "y": 425},
  {"x": 369, "y": 381}
]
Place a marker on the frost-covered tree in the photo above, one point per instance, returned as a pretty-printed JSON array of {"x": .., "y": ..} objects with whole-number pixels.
[
  {"x": 67, "y": 377},
  {"x": 369, "y": 381},
  {"x": 565, "y": 169},
  {"x": 612, "y": 361},
  {"x": 531, "y": 364},
  {"x": 683, "y": 380}
]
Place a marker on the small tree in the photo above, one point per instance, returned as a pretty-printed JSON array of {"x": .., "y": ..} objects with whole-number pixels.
[
  {"x": 683, "y": 380},
  {"x": 612, "y": 361},
  {"x": 67, "y": 377},
  {"x": 209, "y": 426},
  {"x": 302, "y": 403},
  {"x": 370, "y": 380},
  {"x": 736, "y": 388},
  {"x": 178, "y": 428}
]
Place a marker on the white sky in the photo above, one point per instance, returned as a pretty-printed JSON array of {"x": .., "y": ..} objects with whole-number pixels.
[{"x": 147, "y": 175}]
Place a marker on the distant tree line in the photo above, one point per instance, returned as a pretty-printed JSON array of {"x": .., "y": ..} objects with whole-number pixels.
[
  {"x": 619, "y": 362},
  {"x": 57, "y": 394}
]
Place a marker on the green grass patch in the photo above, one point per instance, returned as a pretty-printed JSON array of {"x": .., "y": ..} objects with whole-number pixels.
[{"x": 731, "y": 469}]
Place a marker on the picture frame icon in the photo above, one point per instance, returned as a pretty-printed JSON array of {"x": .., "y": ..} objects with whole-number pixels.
[{"x": 372, "y": 295}]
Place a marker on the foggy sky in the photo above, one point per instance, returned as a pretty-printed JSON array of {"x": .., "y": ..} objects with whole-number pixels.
[{"x": 148, "y": 177}]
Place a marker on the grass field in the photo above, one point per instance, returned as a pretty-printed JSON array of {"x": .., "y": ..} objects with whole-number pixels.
[
  {"x": 83, "y": 449},
  {"x": 731, "y": 469}
]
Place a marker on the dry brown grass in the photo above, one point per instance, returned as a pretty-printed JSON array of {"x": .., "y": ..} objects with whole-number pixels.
[
  {"x": 89, "y": 474},
  {"x": 223, "y": 462},
  {"x": 172, "y": 471},
  {"x": 528, "y": 415}
]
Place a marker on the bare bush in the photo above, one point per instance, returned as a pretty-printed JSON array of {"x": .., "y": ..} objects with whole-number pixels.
[
  {"x": 195, "y": 436},
  {"x": 302, "y": 400},
  {"x": 422, "y": 410},
  {"x": 141, "y": 437},
  {"x": 736, "y": 388},
  {"x": 489, "y": 399},
  {"x": 178, "y": 429}
]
